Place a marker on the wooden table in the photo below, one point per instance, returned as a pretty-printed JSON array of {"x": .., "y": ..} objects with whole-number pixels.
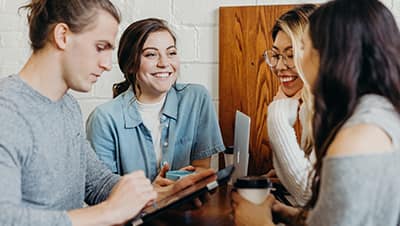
[{"x": 215, "y": 212}]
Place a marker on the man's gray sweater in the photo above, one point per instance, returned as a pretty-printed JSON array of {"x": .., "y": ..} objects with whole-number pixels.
[{"x": 46, "y": 164}]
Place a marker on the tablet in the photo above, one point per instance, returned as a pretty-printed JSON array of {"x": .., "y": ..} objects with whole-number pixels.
[{"x": 183, "y": 196}]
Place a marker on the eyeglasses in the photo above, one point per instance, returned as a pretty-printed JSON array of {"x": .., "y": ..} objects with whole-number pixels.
[{"x": 272, "y": 58}]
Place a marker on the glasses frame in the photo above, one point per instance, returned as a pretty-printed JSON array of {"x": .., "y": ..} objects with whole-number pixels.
[{"x": 282, "y": 56}]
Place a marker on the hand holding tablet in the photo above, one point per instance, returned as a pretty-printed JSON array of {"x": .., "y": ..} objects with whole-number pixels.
[
  {"x": 184, "y": 190},
  {"x": 177, "y": 174}
]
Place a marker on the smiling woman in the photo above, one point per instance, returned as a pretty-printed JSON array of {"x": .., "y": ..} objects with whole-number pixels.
[
  {"x": 47, "y": 168},
  {"x": 292, "y": 157},
  {"x": 153, "y": 120},
  {"x": 158, "y": 68}
]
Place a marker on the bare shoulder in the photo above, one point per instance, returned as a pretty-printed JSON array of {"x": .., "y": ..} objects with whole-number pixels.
[{"x": 360, "y": 139}]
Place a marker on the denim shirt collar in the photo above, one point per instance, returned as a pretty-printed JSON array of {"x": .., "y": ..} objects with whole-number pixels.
[{"x": 131, "y": 114}]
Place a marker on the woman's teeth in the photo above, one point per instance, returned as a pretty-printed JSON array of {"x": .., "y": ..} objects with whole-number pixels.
[
  {"x": 287, "y": 78},
  {"x": 162, "y": 75}
]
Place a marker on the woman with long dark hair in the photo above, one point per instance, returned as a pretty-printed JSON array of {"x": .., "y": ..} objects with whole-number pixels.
[
  {"x": 357, "y": 113},
  {"x": 351, "y": 61}
]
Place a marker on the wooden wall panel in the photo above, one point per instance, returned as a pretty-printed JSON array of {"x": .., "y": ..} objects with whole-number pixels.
[{"x": 245, "y": 81}]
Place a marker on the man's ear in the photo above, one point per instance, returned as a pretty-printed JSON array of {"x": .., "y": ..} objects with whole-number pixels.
[{"x": 60, "y": 35}]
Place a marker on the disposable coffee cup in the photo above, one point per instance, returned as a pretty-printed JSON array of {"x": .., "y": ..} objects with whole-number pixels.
[
  {"x": 253, "y": 188},
  {"x": 228, "y": 155}
]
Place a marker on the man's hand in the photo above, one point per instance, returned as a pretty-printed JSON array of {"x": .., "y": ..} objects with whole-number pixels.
[{"x": 133, "y": 192}]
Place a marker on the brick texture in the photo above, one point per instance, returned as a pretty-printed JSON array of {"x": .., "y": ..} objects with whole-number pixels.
[{"x": 195, "y": 23}]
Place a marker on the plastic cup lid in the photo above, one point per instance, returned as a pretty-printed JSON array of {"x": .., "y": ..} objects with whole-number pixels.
[{"x": 253, "y": 182}]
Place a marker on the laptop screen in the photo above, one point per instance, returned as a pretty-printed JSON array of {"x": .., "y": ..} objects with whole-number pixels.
[{"x": 241, "y": 145}]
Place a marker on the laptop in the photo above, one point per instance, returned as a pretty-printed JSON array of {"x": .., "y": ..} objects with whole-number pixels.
[{"x": 241, "y": 145}]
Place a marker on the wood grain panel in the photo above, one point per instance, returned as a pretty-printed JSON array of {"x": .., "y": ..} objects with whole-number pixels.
[{"x": 245, "y": 81}]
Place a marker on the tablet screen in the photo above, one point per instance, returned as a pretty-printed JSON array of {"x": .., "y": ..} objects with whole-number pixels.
[{"x": 186, "y": 194}]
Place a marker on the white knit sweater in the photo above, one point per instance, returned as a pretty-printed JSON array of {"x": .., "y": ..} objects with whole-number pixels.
[{"x": 291, "y": 165}]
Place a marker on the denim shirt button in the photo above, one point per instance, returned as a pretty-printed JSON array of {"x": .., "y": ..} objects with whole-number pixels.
[
  {"x": 165, "y": 144},
  {"x": 166, "y": 125}
]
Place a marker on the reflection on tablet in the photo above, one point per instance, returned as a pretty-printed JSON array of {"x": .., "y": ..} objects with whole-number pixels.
[{"x": 187, "y": 194}]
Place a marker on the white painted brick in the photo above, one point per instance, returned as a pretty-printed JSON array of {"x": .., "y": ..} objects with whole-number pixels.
[
  {"x": 152, "y": 8},
  {"x": 288, "y": 2},
  {"x": 11, "y": 22},
  {"x": 186, "y": 42},
  {"x": 8, "y": 70},
  {"x": 2, "y": 6},
  {"x": 127, "y": 10},
  {"x": 208, "y": 44},
  {"x": 388, "y": 3},
  {"x": 103, "y": 86},
  {"x": 14, "y": 39},
  {"x": 13, "y": 56},
  {"x": 216, "y": 107},
  {"x": 88, "y": 105},
  {"x": 202, "y": 12},
  {"x": 396, "y": 11},
  {"x": 205, "y": 74},
  {"x": 194, "y": 21},
  {"x": 11, "y": 6},
  {"x": 82, "y": 95}
]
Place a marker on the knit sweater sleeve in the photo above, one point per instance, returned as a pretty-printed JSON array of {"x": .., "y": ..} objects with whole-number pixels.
[
  {"x": 99, "y": 178},
  {"x": 16, "y": 151},
  {"x": 290, "y": 163}
]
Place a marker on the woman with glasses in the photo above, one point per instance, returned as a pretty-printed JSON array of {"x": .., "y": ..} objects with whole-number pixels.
[
  {"x": 292, "y": 161},
  {"x": 356, "y": 125},
  {"x": 153, "y": 120}
]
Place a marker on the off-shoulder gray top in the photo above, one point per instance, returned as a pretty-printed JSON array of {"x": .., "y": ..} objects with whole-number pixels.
[{"x": 363, "y": 189}]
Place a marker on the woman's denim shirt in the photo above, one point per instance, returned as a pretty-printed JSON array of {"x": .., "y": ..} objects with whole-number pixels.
[{"x": 190, "y": 131}]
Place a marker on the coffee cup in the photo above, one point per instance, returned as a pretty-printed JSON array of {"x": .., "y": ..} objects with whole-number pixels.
[
  {"x": 253, "y": 188},
  {"x": 228, "y": 155}
]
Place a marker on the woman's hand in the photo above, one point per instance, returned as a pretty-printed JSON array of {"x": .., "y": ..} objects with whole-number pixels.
[
  {"x": 161, "y": 181},
  {"x": 247, "y": 213},
  {"x": 176, "y": 186},
  {"x": 285, "y": 214},
  {"x": 271, "y": 175},
  {"x": 166, "y": 187}
]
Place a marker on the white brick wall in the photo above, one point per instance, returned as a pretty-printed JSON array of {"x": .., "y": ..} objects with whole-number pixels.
[
  {"x": 195, "y": 23},
  {"x": 396, "y": 10}
]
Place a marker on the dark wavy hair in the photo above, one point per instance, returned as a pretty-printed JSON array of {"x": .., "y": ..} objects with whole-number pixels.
[
  {"x": 358, "y": 43},
  {"x": 130, "y": 50}
]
